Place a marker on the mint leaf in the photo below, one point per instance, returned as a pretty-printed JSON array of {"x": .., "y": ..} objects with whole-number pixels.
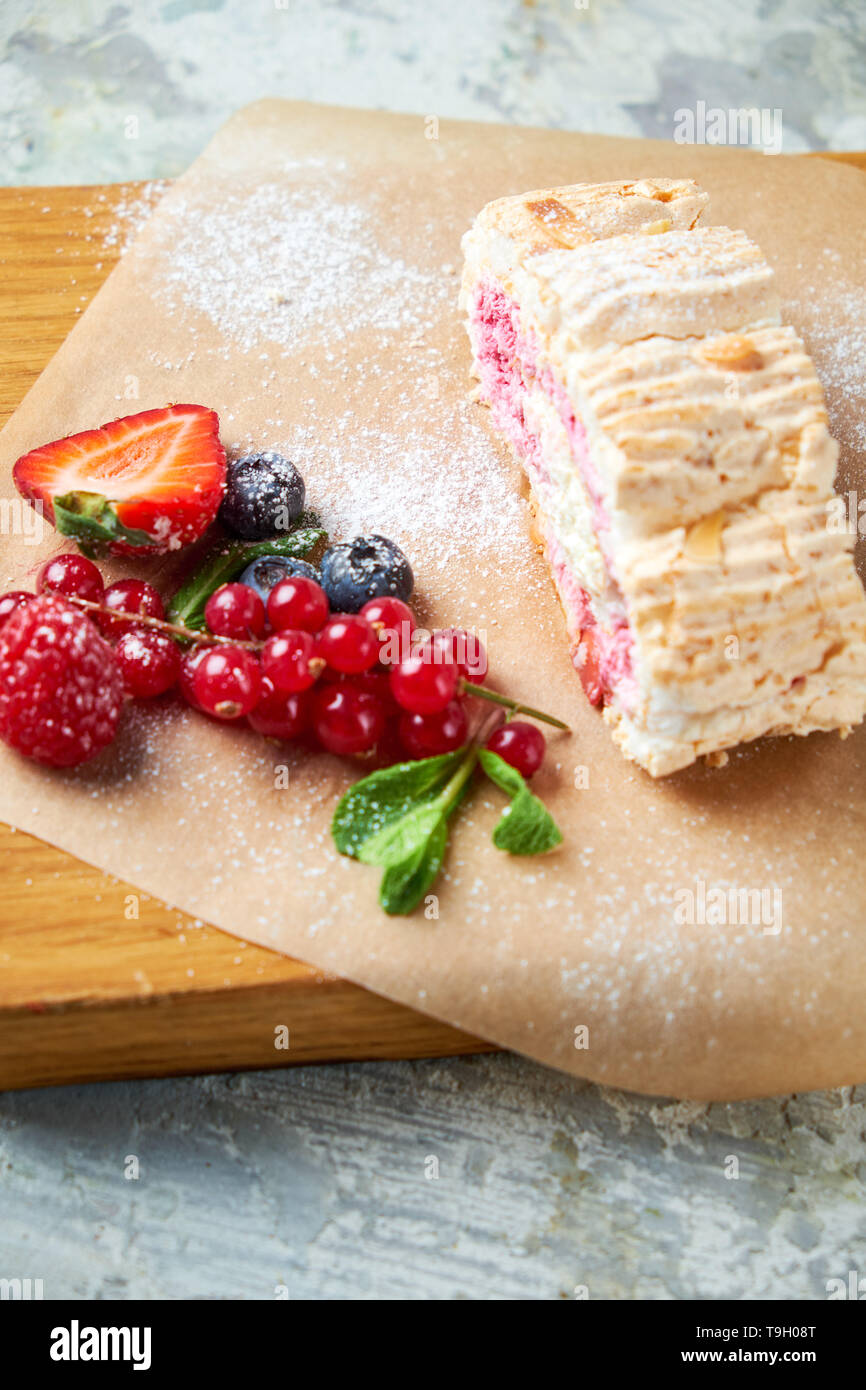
[
  {"x": 228, "y": 561},
  {"x": 399, "y": 840},
  {"x": 90, "y": 519},
  {"x": 405, "y": 884},
  {"x": 526, "y": 827},
  {"x": 386, "y": 796},
  {"x": 398, "y": 818}
]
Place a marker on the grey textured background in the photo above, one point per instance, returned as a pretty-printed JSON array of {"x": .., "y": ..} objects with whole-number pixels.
[{"x": 317, "y": 1182}]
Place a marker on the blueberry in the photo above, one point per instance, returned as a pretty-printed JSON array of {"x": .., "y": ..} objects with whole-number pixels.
[
  {"x": 263, "y": 574},
  {"x": 265, "y": 494},
  {"x": 367, "y": 567}
]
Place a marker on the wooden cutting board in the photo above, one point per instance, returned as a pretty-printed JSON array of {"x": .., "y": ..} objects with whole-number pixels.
[
  {"x": 96, "y": 980},
  {"x": 89, "y": 991}
]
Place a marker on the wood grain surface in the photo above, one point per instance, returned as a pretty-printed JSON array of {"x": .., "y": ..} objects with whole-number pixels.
[{"x": 96, "y": 980}]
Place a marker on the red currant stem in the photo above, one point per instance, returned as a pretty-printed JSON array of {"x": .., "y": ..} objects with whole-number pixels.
[
  {"x": 145, "y": 620},
  {"x": 452, "y": 789},
  {"x": 465, "y": 768},
  {"x": 214, "y": 639},
  {"x": 486, "y": 727},
  {"x": 467, "y": 688},
  {"x": 468, "y": 763},
  {"x": 450, "y": 793}
]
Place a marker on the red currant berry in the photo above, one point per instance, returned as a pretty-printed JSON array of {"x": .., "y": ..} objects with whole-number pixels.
[
  {"x": 522, "y": 745},
  {"x": 289, "y": 659},
  {"x": 188, "y": 665},
  {"x": 394, "y": 622},
  {"x": 278, "y": 715},
  {"x": 425, "y": 735},
  {"x": 298, "y": 602},
  {"x": 347, "y": 720},
  {"x": 376, "y": 683},
  {"x": 466, "y": 651},
  {"x": 129, "y": 596},
  {"x": 389, "y": 749},
  {"x": 9, "y": 602},
  {"x": 71, "y": 574},
  {"x": 235, "y": 610},
  {"x": 227, "y": 682},
  {"x": 348, "y": 644},
  {"x": 388, "y": 612},
  {"x": 149, "y": 662},
  {"x": 423, "y": 683}
]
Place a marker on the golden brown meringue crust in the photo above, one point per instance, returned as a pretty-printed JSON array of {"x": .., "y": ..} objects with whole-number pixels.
[{"x": 709, "y": 440}]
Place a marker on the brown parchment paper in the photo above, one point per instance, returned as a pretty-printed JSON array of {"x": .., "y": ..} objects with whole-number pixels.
[{"x": 527, "y": 953}]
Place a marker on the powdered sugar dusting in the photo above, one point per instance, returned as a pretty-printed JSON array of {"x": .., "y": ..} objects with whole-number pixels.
[
  {"x": 279, "y": 264},
  {"x": 829, "y": 315},
  {"x": 431, "y": 490},
  {"x": 131, "y": 213},
  {"x": 364, "y": 367}
]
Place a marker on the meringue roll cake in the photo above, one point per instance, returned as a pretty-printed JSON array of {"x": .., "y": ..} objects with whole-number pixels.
[{"x": 675, "y": 439}]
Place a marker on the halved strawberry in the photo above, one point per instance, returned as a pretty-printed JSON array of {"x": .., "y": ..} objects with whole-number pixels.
[{"x": 146, "y": 483}]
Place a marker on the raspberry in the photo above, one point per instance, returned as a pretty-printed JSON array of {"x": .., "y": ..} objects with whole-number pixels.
[
  {"x": 61, "y": 692},
  {"x": 10, "y": 601}
]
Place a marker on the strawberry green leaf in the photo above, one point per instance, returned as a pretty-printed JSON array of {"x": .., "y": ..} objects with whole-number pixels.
[
  {"x": 90, "y": 519},
  {"x": 526, "y": 827}
]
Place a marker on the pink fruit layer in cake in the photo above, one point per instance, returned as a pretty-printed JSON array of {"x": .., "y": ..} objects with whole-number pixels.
[{"x": 508, "y": 366}]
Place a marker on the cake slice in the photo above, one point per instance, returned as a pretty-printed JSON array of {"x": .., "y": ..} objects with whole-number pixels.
[{"x": 680, "y": 464}]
